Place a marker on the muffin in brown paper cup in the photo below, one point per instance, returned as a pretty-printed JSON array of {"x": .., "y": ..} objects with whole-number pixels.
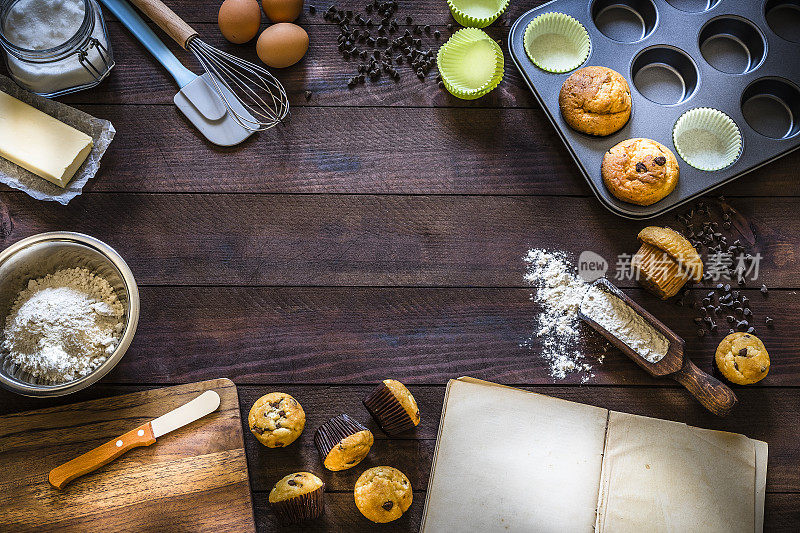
[
  {"x": 393, "y": 407},
  {"x": 342, "y": 442},
  {"x": 298, "y": 497},
  {"x": 666, "y": 261}
]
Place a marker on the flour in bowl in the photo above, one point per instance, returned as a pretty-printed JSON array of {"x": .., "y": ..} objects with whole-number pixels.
[{"x": 63, "y": 326}]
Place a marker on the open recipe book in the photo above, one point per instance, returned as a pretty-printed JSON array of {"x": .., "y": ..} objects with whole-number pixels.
[{"x": 512, "y": 460}]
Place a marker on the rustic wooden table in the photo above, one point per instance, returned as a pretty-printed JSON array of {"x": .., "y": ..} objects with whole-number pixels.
[{"x": 380, "y": 233}]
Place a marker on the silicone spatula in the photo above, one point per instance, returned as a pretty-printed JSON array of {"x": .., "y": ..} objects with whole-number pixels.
[
  {"x": 197, "y": 99},
  {"x": 709, "y": 391}
]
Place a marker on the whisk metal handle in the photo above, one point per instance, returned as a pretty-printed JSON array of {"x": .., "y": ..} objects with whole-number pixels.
[{"x": 167, "y": 20}]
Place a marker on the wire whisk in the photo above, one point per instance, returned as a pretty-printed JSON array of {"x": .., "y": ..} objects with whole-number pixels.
[{"x": 260, "y": 94}]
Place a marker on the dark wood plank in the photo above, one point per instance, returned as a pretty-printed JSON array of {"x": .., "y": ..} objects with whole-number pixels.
[
  {"x": 138, "y": 79},
  {"x": 416, "y": 151},
  {"x": 423, "y": 11},
  {"x": 769, "y": 414},
  {"x": 237, "y": 239},
  {"x": 341, "y": 515},
  {"x": 417, "y": 335}
]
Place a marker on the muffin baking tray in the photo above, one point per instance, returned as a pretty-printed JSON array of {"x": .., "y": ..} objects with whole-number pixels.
[{"x": 741, "y": 57}]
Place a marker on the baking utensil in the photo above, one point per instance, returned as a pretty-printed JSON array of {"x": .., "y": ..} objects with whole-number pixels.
[
  {"x": 42, "y": 254},
  {"x": 197, "y": 98},
  {"x": 709, "y": 391},
  {"x": 234, "y": 79},
  {"x": 728, "y": 56},
  {"x": 144, "y": 435},
  {"x": 194, "y": 479}
]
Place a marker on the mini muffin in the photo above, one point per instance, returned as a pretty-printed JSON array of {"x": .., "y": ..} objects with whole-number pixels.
[
  {"x": 742, "y": 358},
  {"x": 276, "y": 419},
  {"x": 393, "y": 407},
  {"x": 666, "y": 261},
  {"x": 297, "y": 497},
  {"x": 595, "y": 100},
  {"x": 342, "y": 443},
  {"x": 640, "y": 171},
  {"x": 383, "y": 494}
]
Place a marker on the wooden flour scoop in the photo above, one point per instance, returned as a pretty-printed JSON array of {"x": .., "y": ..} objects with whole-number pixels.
[{"x": 709, "y": 391}]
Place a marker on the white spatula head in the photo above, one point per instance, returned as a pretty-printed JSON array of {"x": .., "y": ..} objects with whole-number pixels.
[{"x": 201, "y": 104}]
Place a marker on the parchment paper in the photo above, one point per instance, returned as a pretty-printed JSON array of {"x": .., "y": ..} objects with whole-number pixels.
[{"x": 101, "y": 131}]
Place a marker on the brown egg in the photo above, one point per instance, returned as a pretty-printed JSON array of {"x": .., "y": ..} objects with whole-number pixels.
[
  {"x": 282, "y": 10},
  {"x": 282, "y": 44},
  {"x": 239, "y": 20}
]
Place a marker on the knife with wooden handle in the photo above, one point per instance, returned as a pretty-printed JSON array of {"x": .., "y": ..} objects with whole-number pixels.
[{"x": 144, "y": 435}]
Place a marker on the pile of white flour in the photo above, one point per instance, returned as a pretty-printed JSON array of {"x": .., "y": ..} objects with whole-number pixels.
[
  {"x": 559, "y": 293},
  {"x": 64, "y": 325}
]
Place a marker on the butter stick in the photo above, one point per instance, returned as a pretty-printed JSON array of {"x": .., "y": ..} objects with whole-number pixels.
[{"x": 40, "y": 143}]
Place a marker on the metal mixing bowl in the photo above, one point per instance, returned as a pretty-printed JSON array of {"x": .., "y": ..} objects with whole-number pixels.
[{"x": 43, "y": 254}]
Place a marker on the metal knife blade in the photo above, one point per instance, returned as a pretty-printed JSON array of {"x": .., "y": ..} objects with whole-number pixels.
[{"x": 206, "y": 403}]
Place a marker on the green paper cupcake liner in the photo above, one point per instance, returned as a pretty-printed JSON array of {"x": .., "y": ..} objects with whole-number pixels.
[
  {"x": 707, "y": 139},
  {"x": 470, "y": 63},
  {"x": 557, "y": 43},
  {"x": 477, "y": 13}
]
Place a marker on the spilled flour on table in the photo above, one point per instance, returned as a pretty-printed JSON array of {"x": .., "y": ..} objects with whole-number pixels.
[{"x": 559, "y": 294}]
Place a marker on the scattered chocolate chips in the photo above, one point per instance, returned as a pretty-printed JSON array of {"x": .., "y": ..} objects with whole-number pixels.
[
  {"x": 764, "y": 290},
  {"x": 641, "y": 167},
  {"x": 660, "y": 160}
]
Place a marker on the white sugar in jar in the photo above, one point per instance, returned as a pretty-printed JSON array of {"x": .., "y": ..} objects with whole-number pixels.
[{"x": 55, "y": 47}]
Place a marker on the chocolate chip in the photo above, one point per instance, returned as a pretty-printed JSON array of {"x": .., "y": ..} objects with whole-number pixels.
[
  {"x": 660, "y": 160},
  {"x": 312, "y": 9},
  {"x": 701, "y": 333},
  {"x": 743, "y": 352},
  {"x": 281, "y": 413},
  {"x": 308, "y": 93},
  {"x": 731, "y": 319},
  {"x": 640, "y": 167},
  {"x": 291, "y": 482},
  {"x": 769, "y": 321},
  {"x": 742, "y": 325},
  {"x": 387, "y": 505},
  {"x": 764, "y": 290},
  {"x": 751, "y": 330}
]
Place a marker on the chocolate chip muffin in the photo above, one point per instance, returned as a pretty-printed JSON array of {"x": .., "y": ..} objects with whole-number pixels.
[
  {"x": 383, "y": 494},
  {"x": 595, "y": 100},
  {"x": 393, "y": 406},
  {"x": 276, "y": 419},
  {"x": 342, "y": 443},
  {"x": 742, "y": 358},
  {"x": 297, "y": 497},
  {"x": 640, "y": 171}
]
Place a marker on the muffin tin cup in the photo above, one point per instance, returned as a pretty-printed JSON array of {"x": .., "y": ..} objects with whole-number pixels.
[
  {"x": 707, "y": 139},
  {"x": 556, "y": 42},
  {"x": 387, "y": 411},
  {"x": 477, "y": 13},
  {"x": 333, "y": 431},
  {"x": 300, "y": 508},
  {"x": 678, "y": 56},
  {"x": 471, "y": 64}
]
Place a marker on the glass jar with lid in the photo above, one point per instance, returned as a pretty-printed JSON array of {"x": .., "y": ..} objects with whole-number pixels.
[{"x": 55, "y": 47}]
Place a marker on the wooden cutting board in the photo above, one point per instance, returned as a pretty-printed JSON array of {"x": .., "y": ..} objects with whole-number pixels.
[{"x": 193, "y": 479}]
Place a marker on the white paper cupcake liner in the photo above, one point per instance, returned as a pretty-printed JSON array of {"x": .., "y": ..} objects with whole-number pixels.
[{"x": 707, "y": 139}]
